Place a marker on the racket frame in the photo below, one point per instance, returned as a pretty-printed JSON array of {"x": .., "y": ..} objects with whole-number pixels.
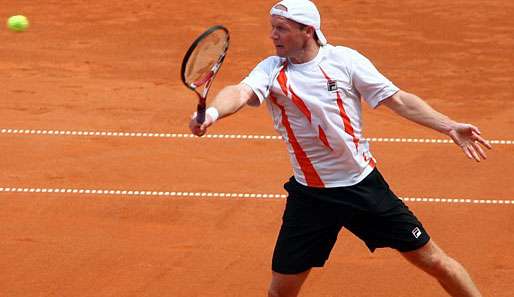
[{"x": 207, "y": 79}]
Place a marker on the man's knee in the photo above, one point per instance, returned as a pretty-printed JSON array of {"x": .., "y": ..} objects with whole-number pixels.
[
  {"x": 440, "y": 265},
  {"x": 431, "y": 259},
  {"x": 273, "y": 293},
  {"x": 286, "y": 285},
  {"x": 276, "y": 292}
]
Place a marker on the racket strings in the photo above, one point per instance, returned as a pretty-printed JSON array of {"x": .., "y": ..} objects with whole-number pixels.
[{"x": 206, "y": 58}]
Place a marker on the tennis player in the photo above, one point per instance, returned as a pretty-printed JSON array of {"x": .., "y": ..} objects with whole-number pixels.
[{"x": 313, "y": 91}]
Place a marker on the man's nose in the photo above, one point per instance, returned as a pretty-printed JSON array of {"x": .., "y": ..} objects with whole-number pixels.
[{"x": 273, "y": 34}]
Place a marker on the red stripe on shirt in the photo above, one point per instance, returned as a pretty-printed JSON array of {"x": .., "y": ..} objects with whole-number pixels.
[
  {"x": 348, "y": 128},
  {"x": 346, "y": 120},
  {"x": 282, "y": 81},
  {"x": 371, "y": 161},
  {"x": 323, "y": 137},
  {"x": 300, "y": 104},
  {"x": 311, "y": 176}
]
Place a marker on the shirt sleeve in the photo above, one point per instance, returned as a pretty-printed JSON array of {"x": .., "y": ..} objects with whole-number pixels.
[
  {"x": 260, "y": 79},
  {"x": 369, "y": 82}
]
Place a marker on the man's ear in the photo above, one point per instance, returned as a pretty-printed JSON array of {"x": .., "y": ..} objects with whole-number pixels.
[{"x": 311, "y": 31}]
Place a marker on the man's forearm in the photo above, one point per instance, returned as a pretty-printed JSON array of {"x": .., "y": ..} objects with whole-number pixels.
[
  {"x": 415, "y": 109},
  {"x": 229, "y": 100}
]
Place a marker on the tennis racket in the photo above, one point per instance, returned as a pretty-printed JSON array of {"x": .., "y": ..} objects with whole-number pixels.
[{"x": 201, "y": 63}]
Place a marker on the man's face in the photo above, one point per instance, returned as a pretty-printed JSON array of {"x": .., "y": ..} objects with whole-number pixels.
[{"x": 288, "y": 36}]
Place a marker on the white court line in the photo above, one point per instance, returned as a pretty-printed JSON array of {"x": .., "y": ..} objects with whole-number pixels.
[
  {"x": 210, "y": 136},
  {"x": 223, "y": 195}
]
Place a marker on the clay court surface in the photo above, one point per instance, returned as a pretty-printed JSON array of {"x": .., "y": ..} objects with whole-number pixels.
[{"x": 113, "y": 66}]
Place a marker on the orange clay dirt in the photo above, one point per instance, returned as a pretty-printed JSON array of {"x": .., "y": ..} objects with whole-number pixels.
[{"x": 114, "y": 66}]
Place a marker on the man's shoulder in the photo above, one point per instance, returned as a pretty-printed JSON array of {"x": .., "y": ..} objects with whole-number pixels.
[
  {"x": 346, "y": 57},
  {"x": 341, "y": 52},
  {"x": 272, "y": 61}
]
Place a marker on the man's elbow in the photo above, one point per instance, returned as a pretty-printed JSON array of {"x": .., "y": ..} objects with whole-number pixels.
[
  {"x": 247, "y": 95},
  {"x": 395, "y": 101},
  {"x": 235, "y": 93}
]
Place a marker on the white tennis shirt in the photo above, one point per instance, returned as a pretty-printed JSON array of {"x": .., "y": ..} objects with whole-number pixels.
[{"x": 316, "y": 108}]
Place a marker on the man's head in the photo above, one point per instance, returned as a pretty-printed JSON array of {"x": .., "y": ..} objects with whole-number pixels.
[
  {"x": 295, "y": 30},
  {"x": 302, "y": 12}
]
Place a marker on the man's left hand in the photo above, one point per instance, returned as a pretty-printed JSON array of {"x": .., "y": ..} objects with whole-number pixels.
[{"x": 468, "y": 138}]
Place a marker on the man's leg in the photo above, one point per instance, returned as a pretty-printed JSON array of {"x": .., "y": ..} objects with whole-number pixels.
[
  {"x": 286, "y": 285},
  {"x": 450, "y": 273}
]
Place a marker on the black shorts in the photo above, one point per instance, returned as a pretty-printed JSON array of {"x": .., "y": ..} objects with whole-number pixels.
[{"x": 313, "y": 218}]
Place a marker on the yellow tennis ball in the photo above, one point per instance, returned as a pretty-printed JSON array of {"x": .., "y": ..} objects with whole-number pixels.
[{"x": 18, "y": 23}]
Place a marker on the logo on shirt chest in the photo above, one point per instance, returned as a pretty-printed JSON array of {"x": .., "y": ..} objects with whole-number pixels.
[{"x": 331, "y": 85}]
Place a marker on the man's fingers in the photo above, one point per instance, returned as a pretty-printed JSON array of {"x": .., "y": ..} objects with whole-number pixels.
[
  {"x": 475, "y": 129},
  {"x": 480, "y": 151},
  {"x": 198, "y": 131},
  {"x": 483, "y": 141},
  {"x": 469, "y": 139},
  {"x": 475, "y": 154},
  {"x": 207, "y": 123},
  {"x": 192, "y": 124},
  {"x": 467, "y": 152},
  {"x": 474, "y": 151}
]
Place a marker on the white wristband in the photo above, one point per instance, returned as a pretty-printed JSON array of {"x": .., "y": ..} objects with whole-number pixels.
[{"x": 213, "y": 113}]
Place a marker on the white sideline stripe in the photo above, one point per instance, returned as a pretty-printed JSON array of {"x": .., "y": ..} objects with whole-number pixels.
[
  {"x": 224, "y": 195},
  {"x": 140, "y": 193},
  {"x": 211, "y": 136}
]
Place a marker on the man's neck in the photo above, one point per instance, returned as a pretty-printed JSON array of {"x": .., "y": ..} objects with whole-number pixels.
[{"x": 305, "y": 55}]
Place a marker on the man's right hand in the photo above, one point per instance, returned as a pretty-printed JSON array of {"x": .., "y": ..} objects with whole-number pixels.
[
  {"x": 200, "y": 129},
  {"x": 228, "y": 101}
]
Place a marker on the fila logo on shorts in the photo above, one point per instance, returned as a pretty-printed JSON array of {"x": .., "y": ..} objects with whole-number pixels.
[{"x": 416, "y": 232}]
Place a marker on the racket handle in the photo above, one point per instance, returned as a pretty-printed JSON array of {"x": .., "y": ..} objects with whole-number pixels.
[{"x": 200, "y": 113}]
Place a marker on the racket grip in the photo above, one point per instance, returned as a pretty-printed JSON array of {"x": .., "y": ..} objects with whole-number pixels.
[{"x": 200, "y": 113}]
